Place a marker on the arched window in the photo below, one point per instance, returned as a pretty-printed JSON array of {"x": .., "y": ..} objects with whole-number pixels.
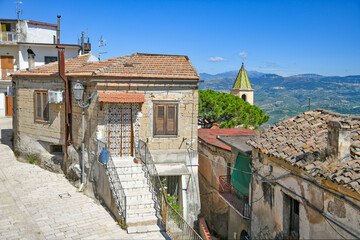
[{"x": 243, "y": 97}]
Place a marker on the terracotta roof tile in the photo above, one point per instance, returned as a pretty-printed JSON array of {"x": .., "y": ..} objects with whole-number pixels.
[
  {"x": 121, "y": 97},
  {"x": 302, "y": 140},
  {"x": 137, "y": 65},
  {"x": 209, "y": 135}
]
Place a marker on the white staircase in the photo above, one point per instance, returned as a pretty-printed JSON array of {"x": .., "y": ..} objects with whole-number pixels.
[{"x": 140, "y": 211}]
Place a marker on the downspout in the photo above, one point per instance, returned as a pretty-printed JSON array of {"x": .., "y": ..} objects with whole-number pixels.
[{"x": 61, "y": 65}]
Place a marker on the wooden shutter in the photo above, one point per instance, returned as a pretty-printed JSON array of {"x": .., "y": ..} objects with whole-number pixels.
[
  {"x": 41, "y": 105},
  {"x": 171, "y": 120},
  {"x": 160, "y": 120}
]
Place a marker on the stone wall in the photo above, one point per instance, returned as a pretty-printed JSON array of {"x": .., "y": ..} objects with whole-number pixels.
[
  {"x": 33, "y": 139},
  {"x": 270, "y": 216}
]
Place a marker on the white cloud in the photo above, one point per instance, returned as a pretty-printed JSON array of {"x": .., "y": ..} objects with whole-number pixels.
[
  {"x": 216, "y": 59},
  {"x": 243, "y": 54}
]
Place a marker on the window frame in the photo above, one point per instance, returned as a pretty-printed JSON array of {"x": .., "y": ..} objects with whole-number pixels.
[
  {"x": 50, "y": 57},
  {"x": 156, "y": 104},
  {"x": 41, "y": 119}
]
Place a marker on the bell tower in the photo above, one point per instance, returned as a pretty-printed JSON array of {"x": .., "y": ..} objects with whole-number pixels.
[{"x": 242, "y": 87}]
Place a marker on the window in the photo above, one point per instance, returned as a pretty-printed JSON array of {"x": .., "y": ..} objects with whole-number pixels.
[
  {"x": 41, "y": 106},
  {"x": 56, "y": 149},
  {"x": 243, "y": 97},
  {"x": 165, "y": 119},
  {"x": 50, "y": 59},
  {"x": 5, "y": 27}
]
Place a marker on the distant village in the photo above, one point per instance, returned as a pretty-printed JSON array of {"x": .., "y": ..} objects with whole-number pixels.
[{"x": 126, "y": 131}]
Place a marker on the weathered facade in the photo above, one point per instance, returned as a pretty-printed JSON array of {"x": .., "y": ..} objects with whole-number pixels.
[
  {"x": 152, "y": 97},
  {"x": 216, "y": 163},
  {"x": 306, "y": 181},
  {"x": 26, "y": 44}
]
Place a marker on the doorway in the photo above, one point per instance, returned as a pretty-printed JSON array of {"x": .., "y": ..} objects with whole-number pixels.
[{"x": 119, "y": 119}]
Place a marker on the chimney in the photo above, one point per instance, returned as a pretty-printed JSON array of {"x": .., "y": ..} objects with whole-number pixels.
[
  {"x": 58, "y": 29},
  {"x": 31, "y": 58},
  {"x": 61, "y": 60},
  {"x": 339, "y": 139}
]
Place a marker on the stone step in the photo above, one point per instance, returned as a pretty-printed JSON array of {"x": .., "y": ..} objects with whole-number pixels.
[
  {"x": 142, "y": 204},
  {"x": 129, "y": 189},
  {"x": 129, "y": 170},
  {"x": 145, "y": 220},
  {"x": 129, "y": 175},
  {"x": 138, "y": 197},
  {"x": 137, "y": 184},
  {"x": 146, "y": 212},
  {"x": 144, "y": 229}
]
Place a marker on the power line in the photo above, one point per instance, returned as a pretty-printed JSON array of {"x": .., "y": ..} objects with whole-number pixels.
[{"x": 224, "y": 164}]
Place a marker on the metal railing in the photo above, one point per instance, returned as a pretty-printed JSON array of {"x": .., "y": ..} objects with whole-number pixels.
[
  {"x": 115, "y": 184},
  {"x": 8, "y": 37},
  {"x": 238, "y": 200},
  {"x": 174, "y": 224}
]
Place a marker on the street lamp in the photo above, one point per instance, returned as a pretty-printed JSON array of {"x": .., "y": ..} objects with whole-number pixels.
[{"x": 79, "y": 96}]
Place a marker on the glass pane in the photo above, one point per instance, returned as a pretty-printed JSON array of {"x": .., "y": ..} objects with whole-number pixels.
[
  {"x": 159, "y": 121},
  {"x": 45, "y": 107},
  {"x": 38, "y": 106}
]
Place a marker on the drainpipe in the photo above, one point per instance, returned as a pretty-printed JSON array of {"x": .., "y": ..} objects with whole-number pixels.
[{"x": 61, "y": 65}]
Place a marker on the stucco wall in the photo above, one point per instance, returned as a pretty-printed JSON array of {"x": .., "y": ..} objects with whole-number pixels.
[
  {"x": 40, "y": 34},
  {"x": 212, "y": 164},
  {"x": 270, "y": 217}
]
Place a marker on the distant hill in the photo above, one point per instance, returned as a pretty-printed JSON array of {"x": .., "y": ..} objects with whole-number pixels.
[
  {"x": 283, "y": 97},
  {"x": 206, "y": 76}
]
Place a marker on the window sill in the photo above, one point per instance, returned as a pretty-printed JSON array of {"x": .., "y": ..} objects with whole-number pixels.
[
  {"x": 165, "y": 136},
  {"x": 41, "y": 122}
]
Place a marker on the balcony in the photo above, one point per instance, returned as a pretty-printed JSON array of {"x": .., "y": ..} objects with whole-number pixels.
[
  {"x": 238, "y": 201},
  {"x": 10, "y": 37}
]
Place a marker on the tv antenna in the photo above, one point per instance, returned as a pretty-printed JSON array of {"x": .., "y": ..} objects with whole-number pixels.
[
  {"x": 18, "y": 11},
  {"x": 102, "y": 43}
]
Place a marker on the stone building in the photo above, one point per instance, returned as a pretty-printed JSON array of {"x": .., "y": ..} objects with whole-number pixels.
[
  {"x": 242, "y": 87},
  {"x": 151, "y": 98},
  {"x": 26, "y": 44},
  {"x": 224, "y": 191},
  {"x": 306, "y": 178}
]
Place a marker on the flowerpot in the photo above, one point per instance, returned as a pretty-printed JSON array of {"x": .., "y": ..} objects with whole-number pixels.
[{"x": 137, "y": 160}]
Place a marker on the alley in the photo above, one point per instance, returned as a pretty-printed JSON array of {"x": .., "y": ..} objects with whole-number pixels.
[{"x": 38, "y": 204}]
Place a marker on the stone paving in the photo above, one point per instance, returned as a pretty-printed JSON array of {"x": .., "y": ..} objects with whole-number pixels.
[{"x": 38, "y": 204}]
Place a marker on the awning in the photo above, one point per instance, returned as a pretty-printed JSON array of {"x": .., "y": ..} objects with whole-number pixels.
[
  {"x": 173, "y": 169},
  {"x": 121, "y": 97}
]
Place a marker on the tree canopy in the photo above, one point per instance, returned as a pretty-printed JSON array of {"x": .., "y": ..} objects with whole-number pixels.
[{"x": 228, "y": 110}]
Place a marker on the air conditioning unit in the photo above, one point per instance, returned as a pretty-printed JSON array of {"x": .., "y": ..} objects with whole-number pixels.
[{"x": 55, "y": 96}]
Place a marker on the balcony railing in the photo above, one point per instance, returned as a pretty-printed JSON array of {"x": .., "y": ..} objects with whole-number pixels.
[
  {"x": 8, "y": 37},
  {"x": 175, "y": 225},
  {"x": 238, "y": 200}
]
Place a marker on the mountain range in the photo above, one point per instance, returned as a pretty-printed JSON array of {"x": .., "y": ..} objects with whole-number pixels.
[{"x": 284, "y": 97}]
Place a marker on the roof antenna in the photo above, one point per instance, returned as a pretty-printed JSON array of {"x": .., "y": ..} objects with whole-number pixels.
[
  {"x": 18, "y": 11},
  {"x": 102, "y": 43}
]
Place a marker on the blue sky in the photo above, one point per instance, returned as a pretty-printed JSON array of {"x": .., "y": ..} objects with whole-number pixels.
[{"x": 283, "y": 37}]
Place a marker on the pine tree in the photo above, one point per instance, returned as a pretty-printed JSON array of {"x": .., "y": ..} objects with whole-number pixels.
[{"x": 228, "y": 110}]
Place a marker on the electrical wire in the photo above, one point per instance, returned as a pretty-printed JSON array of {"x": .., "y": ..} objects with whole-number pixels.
[
  {"x": 335, "y": 229},
  {"x": 224, "y": 164}
]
